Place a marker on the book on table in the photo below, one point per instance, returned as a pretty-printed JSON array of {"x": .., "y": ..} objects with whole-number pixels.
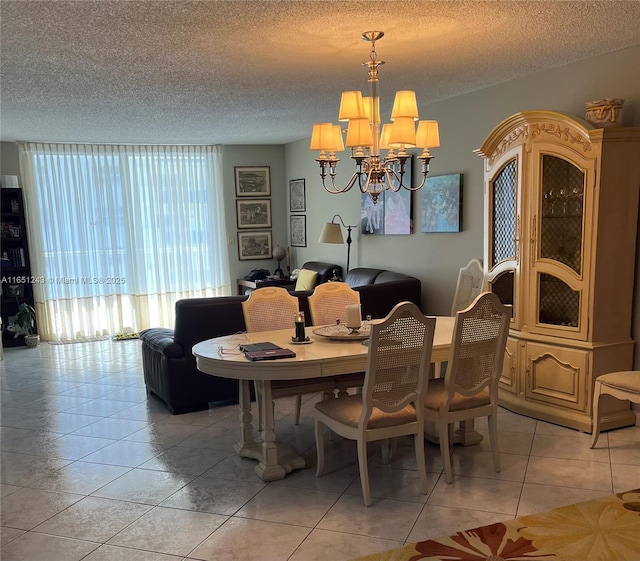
[{"x": 266, "y": 351}]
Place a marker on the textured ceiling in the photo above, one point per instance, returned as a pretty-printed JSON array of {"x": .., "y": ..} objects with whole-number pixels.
[{"x": 261, "y": 72}]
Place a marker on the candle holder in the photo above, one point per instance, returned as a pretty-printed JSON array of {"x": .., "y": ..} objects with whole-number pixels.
[{"x": 300, "y": 335}]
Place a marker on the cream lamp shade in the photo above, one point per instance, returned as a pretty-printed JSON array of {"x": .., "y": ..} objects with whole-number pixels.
[
  {"x": 369, "y": 103},
  {"x": 351, "y": 106},
  {"x": 326, "y": 137},
  {"x": 359, "y": 133},
  {"x": 403, "y": 132},
  {"x": 384, "y": 136},
  {"x": 331, "y": 233},
  {"x": 428, "y": 135},
  {"x": 405, "y": 105}
]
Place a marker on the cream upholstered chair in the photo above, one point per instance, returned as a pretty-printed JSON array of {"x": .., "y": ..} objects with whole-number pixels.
[
  {"x": 621, "y": 385},
  {"x": 395, "y": 383},
  {"x": 327, "y": 304},
  {"x": 272, "y": 308},
  {"x": 329, "y": 300},
  {"x": 469, "y": 388},
  {"x": 470, "y": 284}
]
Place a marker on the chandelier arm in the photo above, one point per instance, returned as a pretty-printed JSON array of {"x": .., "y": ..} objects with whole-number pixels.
[{"x": 333, "y": 188}]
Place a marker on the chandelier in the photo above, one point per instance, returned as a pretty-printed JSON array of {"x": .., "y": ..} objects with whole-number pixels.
[{"x": 366, "y": 136}]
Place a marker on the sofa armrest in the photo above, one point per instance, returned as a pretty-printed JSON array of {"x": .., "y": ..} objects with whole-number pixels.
[{"x": 161, "y": 340}]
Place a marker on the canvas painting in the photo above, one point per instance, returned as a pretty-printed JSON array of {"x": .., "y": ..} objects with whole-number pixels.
[{"x": 442, "y": 203}]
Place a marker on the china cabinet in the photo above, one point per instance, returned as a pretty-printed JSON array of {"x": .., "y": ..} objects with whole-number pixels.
[{"x": 561, "y": 213}]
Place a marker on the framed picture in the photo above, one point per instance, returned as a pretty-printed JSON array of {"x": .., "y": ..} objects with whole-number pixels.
[
  {"x": 371, "y": 215},
  {"x": 253, "y": 213},
  {"x": 253, "y": 181},
  {"x": 254, "y": 245},
  {"x": 397, "y": 212},
  {"x": 15, "y": 290},
  {"x": 297, "y": 200},
  {"x": 299, "y": 230},
  {"x": 442, "y": 203}
]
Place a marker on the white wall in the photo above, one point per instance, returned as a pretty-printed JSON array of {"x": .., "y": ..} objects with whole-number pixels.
[{"x": 272, "y": 156}]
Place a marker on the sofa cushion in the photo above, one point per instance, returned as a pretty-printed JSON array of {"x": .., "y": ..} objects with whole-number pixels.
[
  {"x": 306, "y": 279},
  {"x": 324, "y": 270}
]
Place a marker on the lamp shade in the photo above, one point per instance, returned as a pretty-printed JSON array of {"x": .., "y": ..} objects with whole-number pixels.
[
  {"x": 384, "y": 136},
  {"x": 369, "y": 103},
  {"x": 403, "y": 132},
  {"x": 428, "y": 135},
  {"x": 338, "y": 141},
  {"x": 331, "y": 233},
  {"x": 359, "y": 133},
  {"x": 351, "y": 106},
  {"x": 405, "y": 105},
  {"x": 322, "y": 137}
]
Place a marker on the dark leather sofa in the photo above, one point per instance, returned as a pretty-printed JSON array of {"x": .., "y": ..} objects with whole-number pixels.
[{"x": 170, "y": 370}]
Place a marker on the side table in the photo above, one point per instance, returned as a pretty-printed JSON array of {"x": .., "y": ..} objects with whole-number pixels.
[{"x": 243, "y": 284}]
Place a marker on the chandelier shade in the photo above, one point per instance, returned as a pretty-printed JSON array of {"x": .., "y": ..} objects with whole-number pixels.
[
  {"x": 366, "y": 135},
  {"x": 351, "y": 106},
  {"x": 359, "y": 133},
  {"x": 405, "y": 105}
]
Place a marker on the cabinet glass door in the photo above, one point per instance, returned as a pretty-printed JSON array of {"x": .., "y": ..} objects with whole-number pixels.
[
  {"x": 561, "y": 240},
  {"x": 504, "y": 248},
  {"x": 562, "y": 212}
]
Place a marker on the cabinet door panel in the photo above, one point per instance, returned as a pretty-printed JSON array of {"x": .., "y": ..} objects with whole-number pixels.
[
  {"x": 504, "y": 214},
  {"x": 508, "y": 378},
  {"x": 557, "y": 376}
]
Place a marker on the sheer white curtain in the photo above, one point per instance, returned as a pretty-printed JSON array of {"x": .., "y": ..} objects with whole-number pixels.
[{"x": 117, "y": 234}]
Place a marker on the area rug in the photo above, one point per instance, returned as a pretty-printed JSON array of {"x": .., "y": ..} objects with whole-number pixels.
[{"x": 600, "y": 530}]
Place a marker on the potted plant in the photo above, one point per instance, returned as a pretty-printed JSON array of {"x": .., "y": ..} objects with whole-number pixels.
[{"x": 25, "y": 319}]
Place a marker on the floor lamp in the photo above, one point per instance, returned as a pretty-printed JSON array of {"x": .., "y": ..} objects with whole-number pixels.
[{"x": 332, "y": 233}]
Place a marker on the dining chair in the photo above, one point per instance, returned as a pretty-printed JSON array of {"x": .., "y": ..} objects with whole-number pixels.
[
  {"x": 328, "y": 305},
  {"x": 394, "y": 386},
  {"x": 621, "y": 385},
  {"x": 271, "y": 308},
  {"x": 469, "y": 388},
  {"x": 329, "y": 300},
  {"x": 470, "y": 284}
]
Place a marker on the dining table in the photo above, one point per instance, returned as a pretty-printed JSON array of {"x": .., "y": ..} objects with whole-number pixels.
[{"x": 329, "y": 351}]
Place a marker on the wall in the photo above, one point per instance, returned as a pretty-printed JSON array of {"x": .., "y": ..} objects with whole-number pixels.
[{"x": 272, "y": 156}]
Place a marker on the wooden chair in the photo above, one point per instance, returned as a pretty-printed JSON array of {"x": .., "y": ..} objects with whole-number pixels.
[
  {"x": 272, "y": 308},
  {"x": 469, "y": 388},
  {"x": 329, "y": 300},
  {"x": 394, "y": 386},
  {"x": 470, "y": 284},
  {"x": 328, "y": 304},
  {"x": 621, "y": 385}
]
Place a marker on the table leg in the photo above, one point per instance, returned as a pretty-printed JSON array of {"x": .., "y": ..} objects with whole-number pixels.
[
  {"x": 246, "y": 444},
  {"x": 466, "y": 435},
  {"x": 275, "y": 459}
]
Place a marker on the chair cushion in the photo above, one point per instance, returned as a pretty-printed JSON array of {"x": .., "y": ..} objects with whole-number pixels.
[
  {"x": 306, "y": 280},
  {"x": 436, "y": 394},
  {"x": 628, "y": 381},
  {"x": 347, "y": 410}
]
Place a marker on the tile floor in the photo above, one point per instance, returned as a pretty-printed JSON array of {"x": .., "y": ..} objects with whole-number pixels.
[{"x": 93, "y": 470}]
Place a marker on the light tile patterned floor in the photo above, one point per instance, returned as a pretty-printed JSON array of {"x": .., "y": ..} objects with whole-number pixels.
[{"x": 93, "y": 470}]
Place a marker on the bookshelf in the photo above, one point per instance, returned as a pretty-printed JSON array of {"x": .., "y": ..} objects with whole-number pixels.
[{"x": 17, "y": 282}]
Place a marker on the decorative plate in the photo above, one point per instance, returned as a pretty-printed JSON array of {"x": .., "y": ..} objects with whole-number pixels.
[{"x": 343, "y": 333}]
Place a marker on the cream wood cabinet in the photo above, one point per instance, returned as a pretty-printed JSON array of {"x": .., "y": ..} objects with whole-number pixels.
[{"x": 561, "y": 213}]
